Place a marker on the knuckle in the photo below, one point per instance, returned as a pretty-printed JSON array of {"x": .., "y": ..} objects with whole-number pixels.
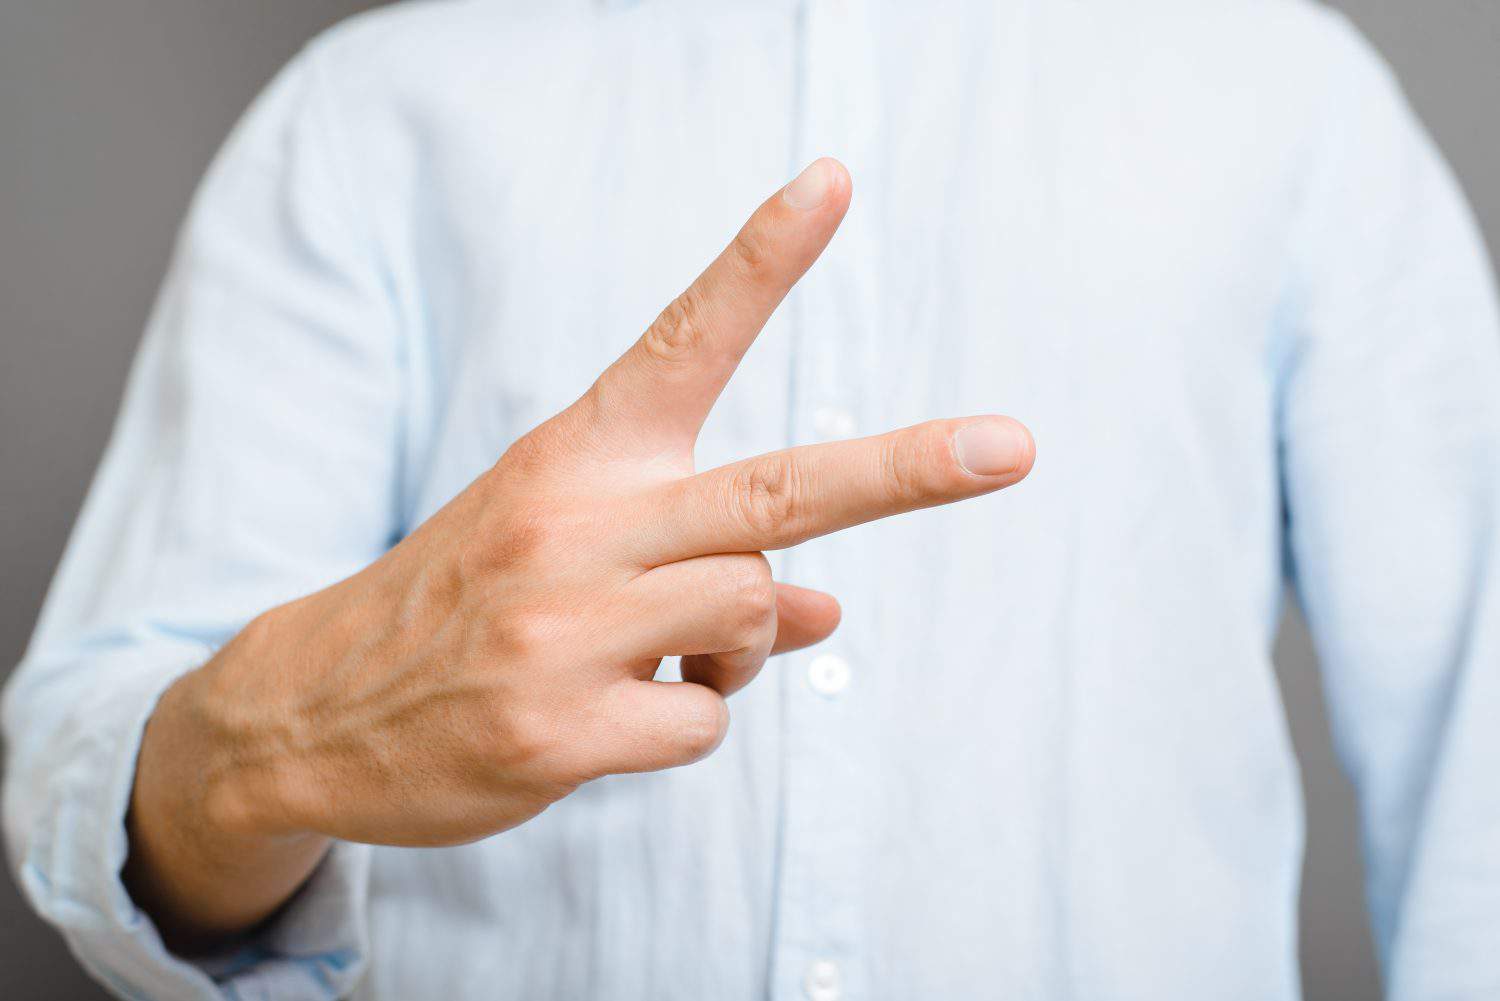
[
  {"x": 522, "y": 638},
  {"x": 911, "y": 467},
  {"x": 524, "y": 737},
  {"x": 677, "y": 333},
  {"x": 701, "y": 728},
  {"x": 517, "y": 541},
  {"x": 766, "y": 494},
  {"x": 555, "y": 443},
  {"x": 260, "y": 632},
  {"x": 527, "y": 453},
  {"x": 752, "y": 592},
  {"x": 527, "y": 535},
  {"x": 750, "y": 248}
]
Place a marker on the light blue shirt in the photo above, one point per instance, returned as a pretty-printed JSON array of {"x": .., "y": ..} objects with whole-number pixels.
[{"x": 1201, "y": 248}]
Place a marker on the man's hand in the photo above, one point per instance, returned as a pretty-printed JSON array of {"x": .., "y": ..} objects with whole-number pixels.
[{"x": 504, "y": 652}]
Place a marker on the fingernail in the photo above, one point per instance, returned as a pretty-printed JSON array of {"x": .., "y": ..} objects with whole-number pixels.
[
  {"x": 991, "y": 448},
  {"x": 809, "y": 188}
]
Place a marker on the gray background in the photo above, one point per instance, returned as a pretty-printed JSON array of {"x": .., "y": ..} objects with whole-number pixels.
[{"x": 109, "y": 112}]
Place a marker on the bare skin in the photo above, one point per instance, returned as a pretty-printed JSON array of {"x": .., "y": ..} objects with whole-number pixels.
[{"x": 503, "y": 654}]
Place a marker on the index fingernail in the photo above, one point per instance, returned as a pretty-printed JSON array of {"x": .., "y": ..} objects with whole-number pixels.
[
  {"x": 991, "y": 448},
  {"x": 809, "y": 188}
]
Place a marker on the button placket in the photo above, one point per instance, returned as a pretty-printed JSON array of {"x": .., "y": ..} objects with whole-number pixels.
[{"x": 820, "y": 933}]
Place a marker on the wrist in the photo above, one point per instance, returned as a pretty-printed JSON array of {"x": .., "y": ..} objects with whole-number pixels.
[
  {"x": 212, "y": 850},
  {"x": 225, "y": 728}
]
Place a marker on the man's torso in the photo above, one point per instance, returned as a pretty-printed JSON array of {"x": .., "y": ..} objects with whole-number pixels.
[{"x": 1058, "y": 766}]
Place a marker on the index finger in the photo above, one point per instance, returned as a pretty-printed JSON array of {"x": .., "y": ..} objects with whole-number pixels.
[
  {"x": 780, "y": 499},
  {"x": 665, "y": 384}
]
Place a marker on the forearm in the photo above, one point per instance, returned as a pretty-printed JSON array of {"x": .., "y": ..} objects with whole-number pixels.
[{"x": 202, "y": 873}]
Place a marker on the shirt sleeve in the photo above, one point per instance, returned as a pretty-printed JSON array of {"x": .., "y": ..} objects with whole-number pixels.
[
  {"x": 255, "y": 459},
  {"x": 1390, "y": 421}
]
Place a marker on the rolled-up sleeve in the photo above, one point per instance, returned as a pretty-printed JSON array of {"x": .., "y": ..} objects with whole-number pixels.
[
  {"x": 1391, "y": 438},
  {"x": 255, "y": 459}
]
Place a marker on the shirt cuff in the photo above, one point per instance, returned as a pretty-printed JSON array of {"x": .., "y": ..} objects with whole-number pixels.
[{"x": 76, "y": 844}]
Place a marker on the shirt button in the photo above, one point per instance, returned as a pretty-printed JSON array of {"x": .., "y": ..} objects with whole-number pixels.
[
  {"x": 822, "y": 982},
  {"x": 833, "y": 422},
  {"x": 828, "y": 674}
]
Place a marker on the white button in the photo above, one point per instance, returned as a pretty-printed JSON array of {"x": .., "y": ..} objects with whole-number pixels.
[
  {"x": 833, "y": 422},
  {"x": 822, "y": 982},
  {"x": 828, "y": 674}
]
